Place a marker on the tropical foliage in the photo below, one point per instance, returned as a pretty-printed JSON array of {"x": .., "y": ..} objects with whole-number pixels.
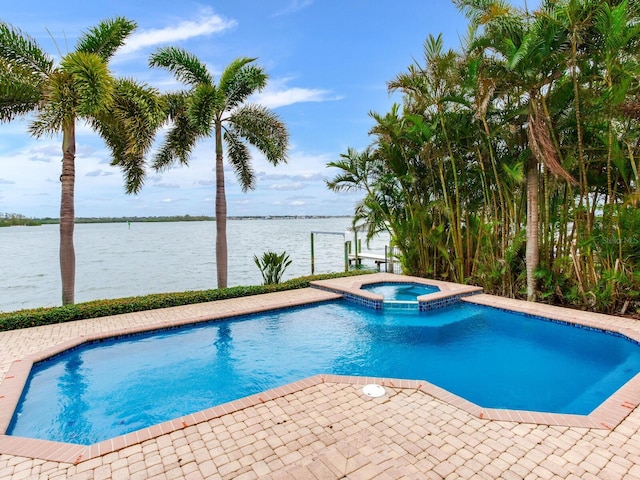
[
  {"x": 513, "y": 163},
  {"x": 221, "y": 110},
  {"x": 272, "y": 266},
  {"x": 80, "y": 87}
]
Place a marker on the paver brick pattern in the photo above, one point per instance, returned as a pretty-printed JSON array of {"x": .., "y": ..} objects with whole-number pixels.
[{"x": 332, "y": 431}]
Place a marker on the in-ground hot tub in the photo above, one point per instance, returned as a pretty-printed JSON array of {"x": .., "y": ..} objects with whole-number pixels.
[{"x": 400, "y": 291}]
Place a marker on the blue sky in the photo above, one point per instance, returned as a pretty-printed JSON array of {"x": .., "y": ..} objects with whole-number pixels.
[{"x": 328, "y": 62}]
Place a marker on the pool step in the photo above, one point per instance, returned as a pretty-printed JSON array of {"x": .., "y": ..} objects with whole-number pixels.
[{"x": 400, "y": 305}]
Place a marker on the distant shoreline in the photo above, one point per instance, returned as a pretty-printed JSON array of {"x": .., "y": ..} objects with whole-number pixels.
[{"x": 23, "y": 221}]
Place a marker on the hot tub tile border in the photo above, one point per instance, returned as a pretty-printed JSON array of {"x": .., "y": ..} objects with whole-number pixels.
[{"x": 351, "y": 291}]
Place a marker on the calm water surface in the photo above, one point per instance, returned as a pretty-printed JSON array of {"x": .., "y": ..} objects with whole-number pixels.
[{"x": 114, "y": 260}]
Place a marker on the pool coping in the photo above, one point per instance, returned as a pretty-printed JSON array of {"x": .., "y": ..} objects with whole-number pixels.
[{"x": 607, "y": 416}]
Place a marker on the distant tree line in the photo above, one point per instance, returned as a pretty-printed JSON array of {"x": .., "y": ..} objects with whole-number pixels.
[
  {"x": 9, "y": 219},
  {"x": 15, "y": 219}
]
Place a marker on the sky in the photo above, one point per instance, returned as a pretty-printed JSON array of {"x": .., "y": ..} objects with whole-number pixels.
[{"x": 328, "y": 63}]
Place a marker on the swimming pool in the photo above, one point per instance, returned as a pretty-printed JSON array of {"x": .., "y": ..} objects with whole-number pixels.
[{"x": 493, "y": 358}]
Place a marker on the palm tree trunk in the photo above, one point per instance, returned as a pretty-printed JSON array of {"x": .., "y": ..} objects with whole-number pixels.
[
  {"x": 532, "y": 254},
  {"x": 67, "y": 213},
  {"x": 456, "y": 220},
  {"x": 221, "y": 212}
]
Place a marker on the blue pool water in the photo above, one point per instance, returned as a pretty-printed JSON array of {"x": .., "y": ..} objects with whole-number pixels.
[
  {"x": 491, "y": 357},
  {"x": 400, "y": 291}
]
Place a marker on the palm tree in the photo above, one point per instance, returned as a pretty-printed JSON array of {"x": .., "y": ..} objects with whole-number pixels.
[
  {"x": 220, "y": 110},
  {"x": 428, "y": 91},
  {"x": 80, "y": 87},
  {"x": 525, "y": 52}
]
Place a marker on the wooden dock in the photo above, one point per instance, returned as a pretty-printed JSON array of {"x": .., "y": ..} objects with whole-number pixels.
[{"x": 376, "y": 257}]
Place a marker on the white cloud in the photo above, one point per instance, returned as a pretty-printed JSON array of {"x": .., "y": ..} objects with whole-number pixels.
[
  {"x": 282, "y": 98},
  {"x": 208, "y": 23},
  {"x": 287, "y": 186},
  {"x": 302, "y": 197},
  {"x": 39, "y": 151},
  {"x": 278, "y": 94},
  {"x": 98, "y": 172},
  {"x": 301, "y": 166},
  {"x": 294, "y": 6},
  {"x": 40, "y": 158}
]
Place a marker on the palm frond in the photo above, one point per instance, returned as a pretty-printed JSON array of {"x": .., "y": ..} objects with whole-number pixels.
[
  {"x": 262, "y": 129},
  {"x": 20, "y": 93},
  {"x": 20, "y": 50},
  {"x": 48, "y": 122},
  {"x": 114, "y": 134},
  {"x": 104, "y": 39},
  {"x": 185, "y": 66},
  {"x": 59, "y": 105},
  {"x": 181, "y": 137},
  {"x": 175, "y": 104},
  {"x": 344, "y": 182},
  {"x": 355, "y": 169},
  {"x": 140, "y": 109},
  {"x": 177, "y": 145},
  {"x": 516, "y": 53},
  {"x": 203, "y": 106},
  {"x": 90, "y": 80},
  {"x": 240, "y": 80},
  {"x": 129, "y": 128},
  {"x": 227, "y": 77},
  {"x": 240, "y": 159}
]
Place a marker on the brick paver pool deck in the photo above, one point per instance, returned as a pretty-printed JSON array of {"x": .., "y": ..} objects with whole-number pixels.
[{"x": 324, "y": 427}]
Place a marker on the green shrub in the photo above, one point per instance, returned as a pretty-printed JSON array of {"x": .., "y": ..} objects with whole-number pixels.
[
  {"x": 272, "y": 266},
  {"x": 103, "y": 308}
]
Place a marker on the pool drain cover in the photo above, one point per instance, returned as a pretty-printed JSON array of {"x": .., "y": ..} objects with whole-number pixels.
[{"x": 373, "y": 390}]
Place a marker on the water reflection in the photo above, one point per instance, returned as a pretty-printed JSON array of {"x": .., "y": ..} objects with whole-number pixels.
[
  {"x": 72, "y": 405},
  {"x": 224, "y": 350}
]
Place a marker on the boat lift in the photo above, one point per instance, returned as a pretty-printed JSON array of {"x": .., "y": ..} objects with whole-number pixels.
[{"x": 358, "y": 255}]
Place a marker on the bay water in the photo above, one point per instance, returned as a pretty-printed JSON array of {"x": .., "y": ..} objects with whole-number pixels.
[{"x": 115, "y": 260}]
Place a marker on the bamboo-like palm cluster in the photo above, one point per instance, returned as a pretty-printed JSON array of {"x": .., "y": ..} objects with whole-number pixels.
[{"x": 513, "y": 163}]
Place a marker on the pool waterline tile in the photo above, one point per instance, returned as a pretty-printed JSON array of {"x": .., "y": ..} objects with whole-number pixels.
[{"x": 607, "y": 416}]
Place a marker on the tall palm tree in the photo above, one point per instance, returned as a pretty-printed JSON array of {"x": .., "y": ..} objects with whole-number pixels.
[
  {"x": 80, "y": 87},
  {"x": 207, "y": 109},
  {"x": 525, "y": 51}
]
